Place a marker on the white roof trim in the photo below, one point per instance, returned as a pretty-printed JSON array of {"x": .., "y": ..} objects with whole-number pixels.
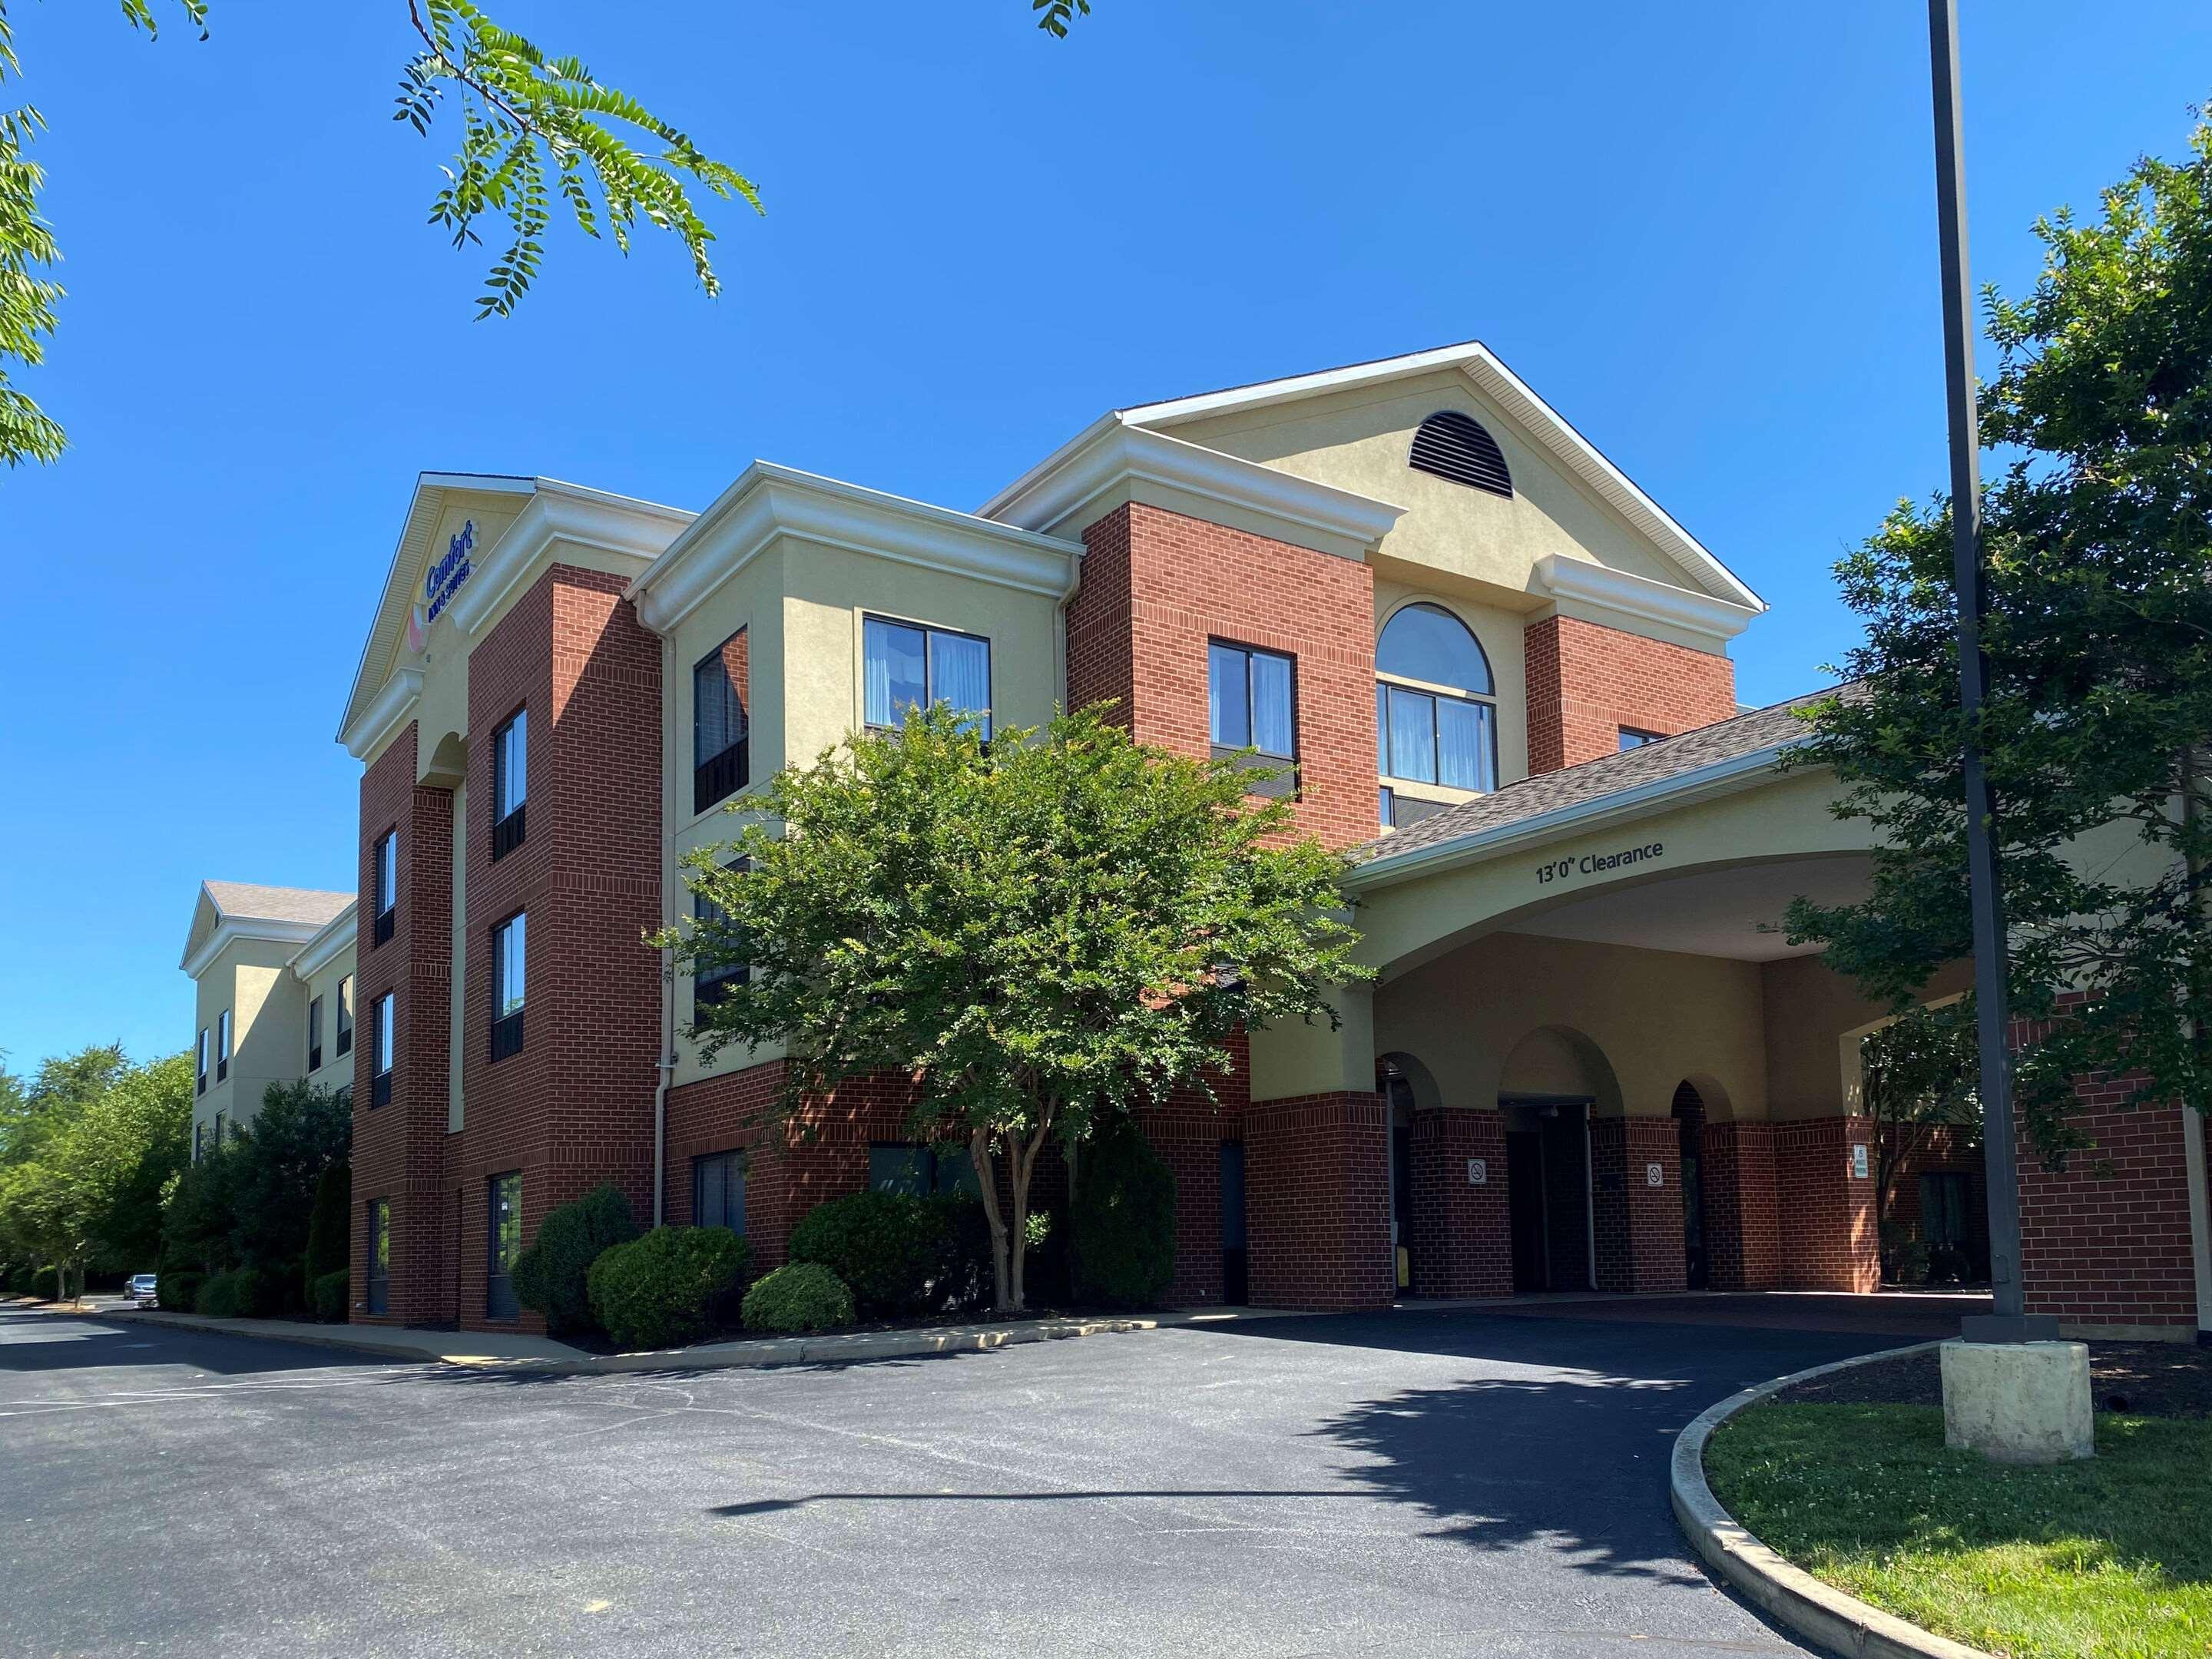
[
  {"x": 392, "y": 708},
  {"x": 332, "y": 936},
  {"x": 768, "y": 501},
  {"x": 231, "y": 928},
  {"x": 562, "y": 513},
  {"x": 1639, "y": 596},
  {"x": 1507, "y": 389},
  {"x": 1725, "y": 777},
  {"x": 1113, "y": 449}
]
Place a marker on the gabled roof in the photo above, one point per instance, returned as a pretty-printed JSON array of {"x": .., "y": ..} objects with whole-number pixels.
[
  {"x": 1741, "y": 747},
  {"x": 1502, "y": 387},
  {"x": 243, "y": 909}
]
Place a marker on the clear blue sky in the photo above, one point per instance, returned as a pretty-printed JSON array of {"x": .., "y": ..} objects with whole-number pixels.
[{"x": 1704, "y": 233}]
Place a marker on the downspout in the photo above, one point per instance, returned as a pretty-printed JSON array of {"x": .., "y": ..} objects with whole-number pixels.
[{"x": 665, "y": 1066}]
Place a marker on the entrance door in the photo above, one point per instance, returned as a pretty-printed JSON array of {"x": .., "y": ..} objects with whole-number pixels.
[
  {"x": 1236, "y": 1277},
  {"x": 1690, "y": 1133},
  {"x": 1524, "y": 1208}
]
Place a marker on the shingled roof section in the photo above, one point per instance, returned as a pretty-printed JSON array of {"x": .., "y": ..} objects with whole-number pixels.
[
  {"x": 250, "y": 900},
  {"x": 1653, "y": 763}
]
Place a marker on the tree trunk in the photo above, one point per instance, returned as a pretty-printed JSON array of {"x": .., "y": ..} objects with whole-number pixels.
[{"x": 979, "y": 1153}]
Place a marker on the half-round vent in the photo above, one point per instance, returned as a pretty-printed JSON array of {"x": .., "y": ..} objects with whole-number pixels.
[{"x": 1454, "y": 445}]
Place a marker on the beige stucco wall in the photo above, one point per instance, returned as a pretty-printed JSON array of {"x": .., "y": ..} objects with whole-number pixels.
[
  {"x": 336, "y": 1070},
  {"x": 1358, "y": 439},
  {"x": 269, "y": 1029}
]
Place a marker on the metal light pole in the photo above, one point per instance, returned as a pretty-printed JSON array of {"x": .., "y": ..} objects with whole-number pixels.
[{"x": 2008, "y": 1320}]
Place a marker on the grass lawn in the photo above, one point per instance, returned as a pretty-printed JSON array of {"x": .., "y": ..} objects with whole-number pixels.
[{"x": 2107, "y": 1558}]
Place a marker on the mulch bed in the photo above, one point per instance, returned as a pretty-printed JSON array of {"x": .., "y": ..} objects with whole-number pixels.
[{"x": 2144, "y": 1379}]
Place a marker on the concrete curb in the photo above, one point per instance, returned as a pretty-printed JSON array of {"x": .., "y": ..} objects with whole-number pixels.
[
  {"x": 1819, "y": 1613},
  {"x": 832, "y": 1349}
]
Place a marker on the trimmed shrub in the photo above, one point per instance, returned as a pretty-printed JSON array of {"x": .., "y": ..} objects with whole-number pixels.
[
  {"x": 329, "y": 1294},
  {"x": 330, "y": 1243},
  {"x": 662, "y": 1289},
  {"x": 1123, "y": 1219},
  {"x": 46, "y": 1284},
  {"x": 18, "y": 1281},
  {"x": 799, "y": 1296},
  {"x": 891, "y": 1249},
  {"x": 552, "y": 1276},
  {"x": 179, "y": 1291},
  {"x": 245, "y": 1293}
]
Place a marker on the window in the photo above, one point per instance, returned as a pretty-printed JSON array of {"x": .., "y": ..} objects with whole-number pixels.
[
  {"x": 510, "y": 782},
  {"x": 1436, "y": 714},
  {"x": 502, "y": 1244},
  {"x": 718, "y": 1191},
  {"x": 222, "y": 1045},
  {"x": 1399, "y": 811},
  {"x": 314, "y": 1034},
  {"x": 387, "y": 889},
  {"x": 216, "y": 1139},
  {"x": 199, "y": 1141},
  {"x": 379, "y": 1296},
  {"x": 1250, "y": 703},
  {"x": 719, "y": 766},
  {"x": 1943, "y": 1218},
  {"x": 345, "y": 1015},
  {"x": 200, "y": 1053},
  {"x": 906, "y": 666},
  {"x": 379, "y": 1038},
  {"x": 1456, "y": 447},
  {"x": 908, "y": 1166},
  {"x": 507, "y": 957},
  {"x": 1632, "y": 738}
]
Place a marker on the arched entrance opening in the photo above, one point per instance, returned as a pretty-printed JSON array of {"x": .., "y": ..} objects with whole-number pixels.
[{"x": 1552, "y": 1082}]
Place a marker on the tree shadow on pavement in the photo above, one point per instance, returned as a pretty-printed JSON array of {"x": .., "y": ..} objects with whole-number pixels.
[{"x": 38, "y": 1340}]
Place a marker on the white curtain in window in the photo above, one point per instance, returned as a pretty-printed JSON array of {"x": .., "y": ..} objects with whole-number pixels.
[
  {"x": 960, "y": 674},
  {"x": 510, "y": 960},
  {"x": 717, "y": 721},
  {"x": 894, "y": 670},
  {"x": 1271, "y": 704},
  {"x": 1228, "y": 698},
  {"x": 1464, "y": 744},
  {"x": 1413, "y": 736}
]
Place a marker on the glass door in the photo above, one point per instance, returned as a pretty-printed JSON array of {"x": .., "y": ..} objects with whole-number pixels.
[{"x": 503, "y": 1245}]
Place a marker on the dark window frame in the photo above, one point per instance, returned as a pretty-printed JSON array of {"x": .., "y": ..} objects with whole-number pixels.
[
  {"x": 383, "y": 1048},
  {"x": 223, "y": 1042},
  {"x": 986, "y": 715},
  {"x": 201, "y": 1074},
  {"x": 507, "y": 1026},
  {"x": 385, "y": 852},
  {"x": 931, "y": 1165},
  {"x": 1286, "y": 782},
  {"x": 718, "y": 776},
  {"x": 712, "y": 987},
  {"x": 1384, "y": 687},
  {"x": 732, "y": 1165},
  {"x": 1635, "y": 737},
  {"x": 345, "y": 1015},
  {"x": 510, "y": 825},
  {"x": 376, "y": 1287},
  {"x": 314, "y": 1034},
  {"x": 500, "y": 1303}
]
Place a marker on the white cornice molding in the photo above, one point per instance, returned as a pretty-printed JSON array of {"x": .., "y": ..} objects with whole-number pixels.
[
  {"x": 390, "y": 708},
  {"x": 323, "y": 947},
  {"x": 768, "y": 501},
  {"x": 1580, "y": 582},
  {"x": 562, "y": 514},
  {"x": 1112, "y": 460},
  {"x": 231, "y": 929},
  {"x": 1726, "y": 777}
]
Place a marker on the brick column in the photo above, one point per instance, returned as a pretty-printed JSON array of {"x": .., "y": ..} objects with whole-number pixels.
[
  {"x": 1317, "y": 1201},
  {"x": 1585, "y": 682},
  {"x": 1462, "y": 1238},
  {"x": 2105, "y": 1241},
  {"x": 1830, "y": 1242},
  {"x": 1638, "y": 1225},
  {"x": 1743, "y": 1232},
  {"x": 398, "y": 1149}
]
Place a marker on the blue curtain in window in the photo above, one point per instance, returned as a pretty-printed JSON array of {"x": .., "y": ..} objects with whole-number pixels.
[
  {"x": 1228, "y": 698},
  {"x": 896, "y": 670},
  {"x": 717, "y": 720},
  {"x": 1413, "y": 736},
  {"x": 1271, "y": 704},
  {"x": 1464, "y": 744},
  {"x": 960, "y": 674}
]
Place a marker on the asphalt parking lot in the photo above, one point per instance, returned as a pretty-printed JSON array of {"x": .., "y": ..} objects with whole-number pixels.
[{"x": 1431, "y": 1482}]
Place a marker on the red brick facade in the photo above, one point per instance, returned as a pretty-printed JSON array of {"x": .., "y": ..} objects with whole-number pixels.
[
  {"x": 1637, "y": 1220},
  {"x": 2106, "y": 1241},
  {"x": 1458, "y": 1237},
  {"x": 1587, "y": 682},
  {"x": 1319, "y": 1203},
  {"x": 1743, "y": 1229},
  {"x": 1829, "y": 1244}
]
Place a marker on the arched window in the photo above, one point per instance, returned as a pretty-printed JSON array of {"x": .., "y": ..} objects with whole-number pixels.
[
  {"x": 1456, "y": 447},
  {"x": 1436, "y": 713}
]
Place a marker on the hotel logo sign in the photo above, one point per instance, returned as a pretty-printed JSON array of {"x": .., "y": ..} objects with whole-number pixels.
[
  {"x": 439, "y": 583},
  {"x": 1598, "y": 864}
]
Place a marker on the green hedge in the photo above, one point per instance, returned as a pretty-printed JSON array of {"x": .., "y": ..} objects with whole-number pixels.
[
  {"x": 1124, "y": 1218},
  {"x": 668, "y": 1288},
  {"x": 330, "y": 1238},
  {"x": 246, "y": 1293},
  {"x": 893, "y": 1251},
  {"x": 329, "y": 1295},
  {"x": 799, "y": 1296},
  {"x": 46, "y": 1284},
  {"x": 552, "y": 1276},
  {"x": 178, "y": 1292}
]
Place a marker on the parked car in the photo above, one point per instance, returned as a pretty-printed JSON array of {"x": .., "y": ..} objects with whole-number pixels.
[{"x": 141, "y": 1290}]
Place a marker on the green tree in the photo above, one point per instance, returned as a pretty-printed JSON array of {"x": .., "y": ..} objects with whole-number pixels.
[
  {"x": 301, "y": 1130},
  {"x": 2099, "y": 553},
  {"x": 1917, "y": 1075},
  {"x": 534, "y": 128},
  {"x": 1040, "y": 933}
]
